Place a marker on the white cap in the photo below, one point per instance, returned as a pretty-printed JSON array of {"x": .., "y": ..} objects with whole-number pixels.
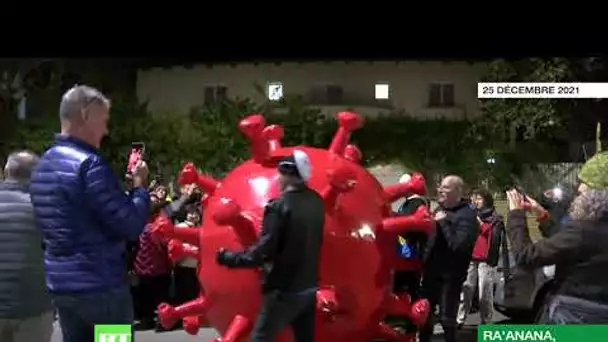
[{"x": 302, "y": 164}]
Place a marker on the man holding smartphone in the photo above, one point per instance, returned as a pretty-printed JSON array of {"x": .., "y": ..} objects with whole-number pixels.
[{"x": 86, "y": 219}]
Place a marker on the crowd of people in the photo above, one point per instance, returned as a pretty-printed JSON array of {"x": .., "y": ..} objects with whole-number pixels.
[
  {"x": 154, "y": 278},
  {"x": 74, "y": 244}
]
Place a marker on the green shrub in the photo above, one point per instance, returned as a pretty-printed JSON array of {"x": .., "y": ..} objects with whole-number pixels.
[{"x": 209, "y": 136}]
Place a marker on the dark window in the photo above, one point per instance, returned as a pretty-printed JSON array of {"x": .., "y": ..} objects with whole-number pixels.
[
  {"x": 435, "y": 95},
  {"x": 441, "y": 95},
  {"x": 215, "y": 94},
  {"x": 221, "y": 94}
]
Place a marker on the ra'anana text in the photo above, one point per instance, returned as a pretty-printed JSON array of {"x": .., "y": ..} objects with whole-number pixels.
[{"x": 518, "y": 335}]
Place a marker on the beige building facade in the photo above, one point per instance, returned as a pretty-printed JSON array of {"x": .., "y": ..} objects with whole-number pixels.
[{"x": 425, "y": 90}]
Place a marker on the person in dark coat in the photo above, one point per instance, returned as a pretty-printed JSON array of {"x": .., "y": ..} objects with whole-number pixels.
[
  {"x": 26, "y": 313},
  {"x": 288, "y": 252},
  {"x": 481, "y": 272},
  {"x": 550, "y": 221},
  {"x": 578, "y": 249},
  {"x": 449, "y": 256}
]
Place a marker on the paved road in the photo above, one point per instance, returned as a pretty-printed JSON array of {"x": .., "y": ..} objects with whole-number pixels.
[{"x": 468, "y": 333}]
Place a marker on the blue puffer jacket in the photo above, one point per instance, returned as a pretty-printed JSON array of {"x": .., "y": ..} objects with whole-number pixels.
[{"x": 85, "y": 217}]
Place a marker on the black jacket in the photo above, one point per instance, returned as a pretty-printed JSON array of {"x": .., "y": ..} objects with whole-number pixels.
[
  {"x": 289, "y": 247},
  {"x": 489, "y": 215},
  {"x": 578, "y": 249},
  {"x": 452, "y": 246}
]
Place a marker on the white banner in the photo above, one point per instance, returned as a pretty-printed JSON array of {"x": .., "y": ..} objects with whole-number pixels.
[{"x": 518, "y": 90}]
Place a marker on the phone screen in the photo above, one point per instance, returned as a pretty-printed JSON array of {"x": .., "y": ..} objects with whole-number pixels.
[
  {"x": 136, "y": 154},
  {"x": 522, "y": 193}
]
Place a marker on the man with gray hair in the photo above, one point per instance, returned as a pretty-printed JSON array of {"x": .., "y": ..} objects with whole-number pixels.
[
  {"x": 86, "y": 219},
  {"x": 448, "y": 256},
  {"x": 26, "y": 313}
]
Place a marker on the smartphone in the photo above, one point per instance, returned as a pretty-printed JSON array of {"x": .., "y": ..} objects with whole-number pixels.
[
  {"x": 522, "y": 193},
  {"x": 136, "y": 154}
]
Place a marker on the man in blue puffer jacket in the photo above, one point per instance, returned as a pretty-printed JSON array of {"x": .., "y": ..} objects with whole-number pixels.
[{"x": 86, "y": 219}]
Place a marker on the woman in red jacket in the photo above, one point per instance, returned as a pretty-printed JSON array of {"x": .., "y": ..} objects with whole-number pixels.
[{"x": 481, "y": 273}]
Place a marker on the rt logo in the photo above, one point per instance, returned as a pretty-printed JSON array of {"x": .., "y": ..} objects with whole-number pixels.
[{"x": 113, "y": 333}]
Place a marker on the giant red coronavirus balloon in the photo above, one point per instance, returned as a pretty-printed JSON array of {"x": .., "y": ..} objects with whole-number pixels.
[{"x": 358, "y": 253}]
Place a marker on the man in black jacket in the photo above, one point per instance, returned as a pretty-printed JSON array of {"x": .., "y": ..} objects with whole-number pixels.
[
  {"x": 288, "y": 251},
  {"x": 449, "y": 256}
]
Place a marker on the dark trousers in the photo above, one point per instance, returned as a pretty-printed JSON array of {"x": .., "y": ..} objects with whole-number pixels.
[
  {"x": 280, "y": 310},
  {"x": 78, "y": 313},
  {"x": 150, "y": 292},
  {"x": 186, "y": 284},
  {"x": 445, "y": 293}
]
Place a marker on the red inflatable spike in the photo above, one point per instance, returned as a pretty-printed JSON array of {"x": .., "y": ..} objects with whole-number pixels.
[
  {"x": 421, "y": 309},
  {"x": 178, "y": 250},
  {"x": 273, "y": 134},
  {"x": 353, "y": 154},
  {"x": 228, "y": 213},
  {"x": 386, "y": 333},
  {"x": 416, "y": 185},
  {"x": 355, "y": 274},
  {"x": 236, "y": 330},
  {"x": 168, "y": 315},
  {"x": 420, "y": 221},
  {"x": 327, "y": 303},
  {"x": 252, "y": 128},
  {"x": 163, "y": 229},
  {"x": 192, "y": 324},
  {"x": 347, "y": 123},
  {"x": 401, "y": 305},
  {"x": 340, "y": 180},
  {"x": 190, "y": 175}
]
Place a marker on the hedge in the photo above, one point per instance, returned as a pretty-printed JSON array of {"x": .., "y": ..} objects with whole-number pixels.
[{"x": 208, "y": 136}]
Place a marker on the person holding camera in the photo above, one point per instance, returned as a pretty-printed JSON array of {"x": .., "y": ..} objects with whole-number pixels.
[
  {"x": 86, "y": 218},
  {"x": 577, "y": 249}
]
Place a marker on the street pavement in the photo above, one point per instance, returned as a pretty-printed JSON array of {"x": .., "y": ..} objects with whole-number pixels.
[{"x": 467, "y": 334}]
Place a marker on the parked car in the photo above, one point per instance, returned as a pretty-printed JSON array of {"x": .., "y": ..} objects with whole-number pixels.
[{"x": 519, "y": 293}]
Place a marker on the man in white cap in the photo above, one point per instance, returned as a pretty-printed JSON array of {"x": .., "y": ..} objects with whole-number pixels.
[{"x": 288, "y": 253}]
